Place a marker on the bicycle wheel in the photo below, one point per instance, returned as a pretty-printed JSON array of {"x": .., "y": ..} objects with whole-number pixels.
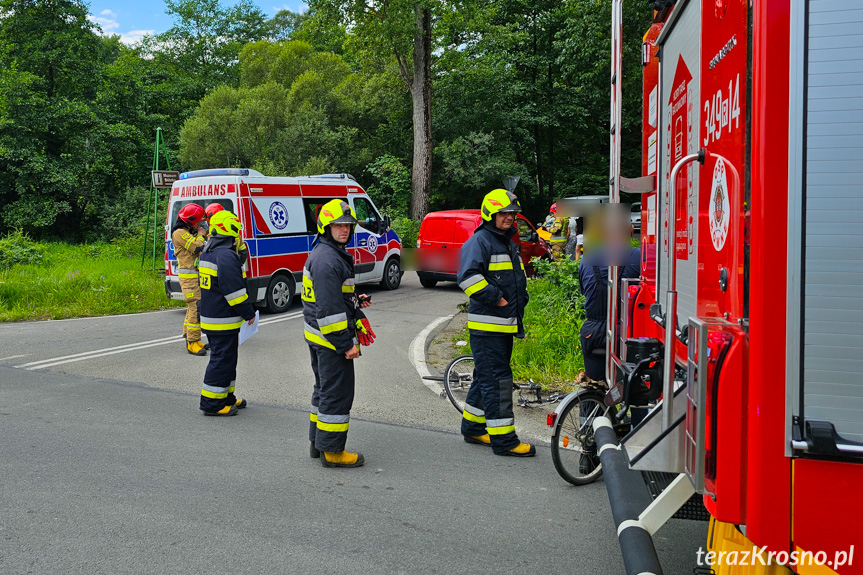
[
  {"x": 573, "y": 448},
  {"x": 457, "y": 380}
]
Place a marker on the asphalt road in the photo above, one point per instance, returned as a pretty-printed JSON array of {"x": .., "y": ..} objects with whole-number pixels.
[{"x": 106, "y": 466}]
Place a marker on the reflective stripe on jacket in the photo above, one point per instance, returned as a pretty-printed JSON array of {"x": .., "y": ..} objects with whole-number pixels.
[
  {"x": 492, "y": 268},
  {"x": 330, "y": 310},
  {"x": 225, "y": 302}
]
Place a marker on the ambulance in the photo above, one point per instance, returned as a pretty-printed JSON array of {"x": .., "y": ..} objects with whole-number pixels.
[{"x": 278, "y": 216}]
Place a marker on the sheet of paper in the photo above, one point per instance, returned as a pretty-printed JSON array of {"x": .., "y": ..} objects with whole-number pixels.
[{"x": 247, "y": 331}]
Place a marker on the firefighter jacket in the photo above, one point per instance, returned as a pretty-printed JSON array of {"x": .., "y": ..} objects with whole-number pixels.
[
  {"x": 187, "y": 248},
  {"x": 225, "y": 303},
  {"x": 330, "y": 306},
  {"x": 491, "y": 268}
]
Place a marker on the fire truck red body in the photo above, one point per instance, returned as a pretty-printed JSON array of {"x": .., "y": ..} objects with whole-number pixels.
[{"x": 768, "y": 242}]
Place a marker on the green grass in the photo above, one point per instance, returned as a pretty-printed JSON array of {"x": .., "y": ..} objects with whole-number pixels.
[
  {"x": 81, "y": 281},
  {"x": 550, "y": 353}
]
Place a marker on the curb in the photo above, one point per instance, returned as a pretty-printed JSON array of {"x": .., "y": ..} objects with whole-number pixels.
[{"x": 419, "y": 348}]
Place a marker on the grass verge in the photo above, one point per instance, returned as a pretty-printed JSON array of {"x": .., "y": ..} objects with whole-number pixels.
[
  {"x": 550, "y": 353},
  {"x": 64, "y": 281}
]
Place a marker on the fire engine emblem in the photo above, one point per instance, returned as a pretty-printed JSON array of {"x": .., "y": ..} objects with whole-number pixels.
[
  {"x": 719, "y": 8},
  {"x": 372, "y": 244},
  {"x": 278, "y": 215},
  {"x": 720, "y": 209}
]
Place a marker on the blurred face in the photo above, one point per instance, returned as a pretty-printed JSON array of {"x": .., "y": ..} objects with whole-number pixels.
[
  {"x": 504, "y": 221},
  {"x": 341, "y": 232}
]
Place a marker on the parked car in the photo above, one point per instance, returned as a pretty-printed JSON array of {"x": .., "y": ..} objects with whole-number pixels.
[
  {"x": 443, "y": 233},
  {"x": 635, "y": 217}
]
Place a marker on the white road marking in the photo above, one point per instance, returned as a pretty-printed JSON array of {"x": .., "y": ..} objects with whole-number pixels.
[
  {"x": 12, "y": 357},
  {"x": 417, "y": 353},
  {"x": 55, "y": 361}
]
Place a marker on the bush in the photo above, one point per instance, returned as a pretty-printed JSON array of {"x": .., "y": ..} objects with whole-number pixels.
[
  {"x": 408, "y": 230},
  {"x": 18, "y": 248}
]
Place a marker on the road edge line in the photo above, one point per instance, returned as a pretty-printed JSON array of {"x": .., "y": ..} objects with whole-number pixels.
[{"x": 417, "y": 352}]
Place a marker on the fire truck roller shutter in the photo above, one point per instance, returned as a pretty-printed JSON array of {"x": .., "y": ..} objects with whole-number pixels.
[
  {"x": 679, "y": 136},
  {"x": 825, "y": 306}
]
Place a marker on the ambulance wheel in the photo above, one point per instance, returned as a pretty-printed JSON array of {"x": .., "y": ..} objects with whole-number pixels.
[
  {"x": 392, "y": 274},
  {"x": 280, "y": 294}
]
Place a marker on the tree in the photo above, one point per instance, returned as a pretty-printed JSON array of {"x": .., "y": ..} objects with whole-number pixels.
[
  {"x": 283, "y": 25},
  {"x": 399, "y": 30},
  {"x": 66, "y": 148},
  {"x": 206, "y": 38},
  {"x": 297, "y": 111}
]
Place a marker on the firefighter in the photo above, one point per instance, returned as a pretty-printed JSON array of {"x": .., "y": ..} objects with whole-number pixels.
[
  {"x": 213, "y": 209},
  {"x": 559, "y": 230},
  {"x": 492, "y": 275},
  {"x": 613, "y": 249},
  {"x": 189, "y": 237},
  {"x": 609, "y": 247},
  {"x": 225, "y": 305},
  {"x": 335, "y": 326}
]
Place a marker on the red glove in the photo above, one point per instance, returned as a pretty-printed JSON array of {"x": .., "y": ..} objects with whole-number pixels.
[{"x": 364, "y": 332}]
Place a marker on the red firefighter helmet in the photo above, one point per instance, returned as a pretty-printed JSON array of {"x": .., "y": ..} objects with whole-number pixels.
[
  {"x": 192, "y": 215},
  {"x": 213, "y": 209},
  {"x": 553, "y": 208}
]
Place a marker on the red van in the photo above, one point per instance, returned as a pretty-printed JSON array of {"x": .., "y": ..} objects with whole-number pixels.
[{"x": 443, "y": 233}]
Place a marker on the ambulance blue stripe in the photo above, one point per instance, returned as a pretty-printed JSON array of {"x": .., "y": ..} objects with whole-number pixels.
[{"x": 287, "y": 245}]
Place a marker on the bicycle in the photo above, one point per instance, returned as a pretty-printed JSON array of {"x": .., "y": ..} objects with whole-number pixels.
[
  {"x": 573, "y": 448},
  {"x": 458, "y": 377}
]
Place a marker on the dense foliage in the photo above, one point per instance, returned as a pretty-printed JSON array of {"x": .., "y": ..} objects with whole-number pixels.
[{"x": 517, "y": 89}]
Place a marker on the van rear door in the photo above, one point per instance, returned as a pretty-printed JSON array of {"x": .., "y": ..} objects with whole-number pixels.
[{"x": 436, "y": 236}]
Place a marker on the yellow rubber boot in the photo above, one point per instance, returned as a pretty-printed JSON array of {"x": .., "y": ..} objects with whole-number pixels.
[
  {"x": 196, "y": 348},
  {"x": 521, "y": 450},
  {"x": 342, "y": 459},
  {"x": 479, "y": 440},
  {"x": 241, "y": 403},
  {"x": 224, "y": 412}
]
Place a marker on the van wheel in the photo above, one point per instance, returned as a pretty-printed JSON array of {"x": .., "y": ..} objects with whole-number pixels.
[
  {"x": 392, "y": 274},
  {"x": 427, "y": 282},
  {"x": 280, "y": 293}
]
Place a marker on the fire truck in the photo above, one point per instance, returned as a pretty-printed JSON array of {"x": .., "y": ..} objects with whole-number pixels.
[
  {"x": 751, "y": 290},
  {"x": 279, "y": 229}
]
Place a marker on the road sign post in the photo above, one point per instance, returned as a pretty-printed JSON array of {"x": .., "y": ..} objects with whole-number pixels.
[
  {"x": 510, "y": 183},
  {"x": 159, "y": 179}
]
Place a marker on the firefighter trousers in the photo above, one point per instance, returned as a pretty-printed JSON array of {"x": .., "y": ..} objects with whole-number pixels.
[
  {"x": 332, "y": 399},
  {"x": 592, "y": 338},
  {"x": 488, "y": 408},
  {"x": 192, "y": 295},
  {"x": 221, "y": 375}
]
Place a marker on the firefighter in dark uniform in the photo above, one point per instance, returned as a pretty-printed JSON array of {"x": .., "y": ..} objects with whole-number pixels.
[
  {"x": 189, "y": 237},
  {"x": 492, "y": 275},
  {"x": 335, "y": 326},
  {"x": 593, "y": 279},
  {"x": 225, "y": 305}
]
